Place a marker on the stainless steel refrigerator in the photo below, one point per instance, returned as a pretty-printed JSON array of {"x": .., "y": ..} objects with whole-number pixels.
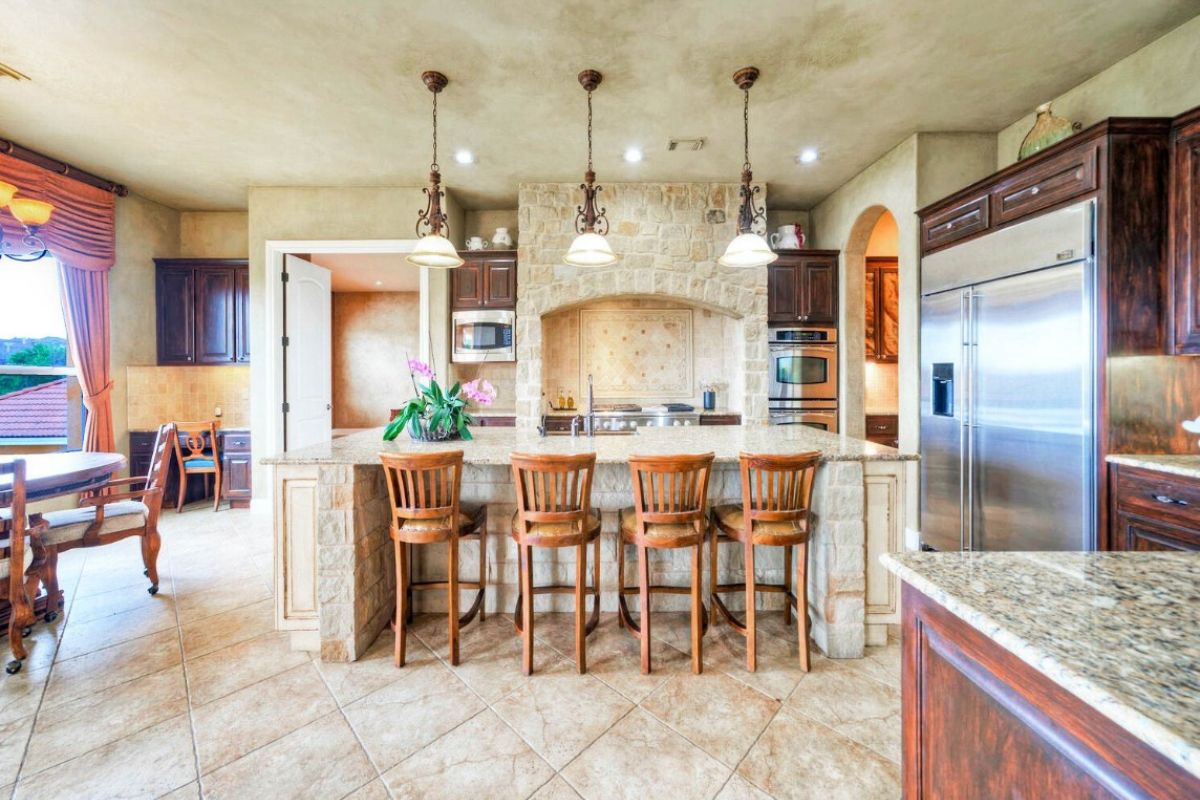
[{"x": 1008, "y": 388}]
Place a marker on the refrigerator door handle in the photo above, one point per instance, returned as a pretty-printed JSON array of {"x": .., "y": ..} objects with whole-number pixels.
[
  {"x": 964, "y": 432},
  {"x": 970, "y": 343}
]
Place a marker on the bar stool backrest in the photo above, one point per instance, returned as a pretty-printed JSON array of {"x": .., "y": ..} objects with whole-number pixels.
[
  {"x": 553, "y": 488},
  {"x": 777, "y": 488},
  {"x": 670, "y": 490},
  {"x": 424, "y": 485}
]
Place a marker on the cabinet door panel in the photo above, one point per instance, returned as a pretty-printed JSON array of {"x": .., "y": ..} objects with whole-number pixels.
[
  {"x": 500, "y": 283},
  {"x": 1140, "y": 533},
  {"x": 870, "y": 290},
  {"x": 174, "y": 290},
  {"x": 215, "y": 324},
  {"x": 242, "y": 315},
  {"x": 781, "y": 293},
  {"x": 818, "y": 292},
  {"x": 1185, "y": 227},
  {"x": 889, "y": 315},
  {"x": 466, "y": 286}
]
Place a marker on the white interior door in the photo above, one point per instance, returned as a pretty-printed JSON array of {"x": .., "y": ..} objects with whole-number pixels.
[{"x": 308, "y": 357}]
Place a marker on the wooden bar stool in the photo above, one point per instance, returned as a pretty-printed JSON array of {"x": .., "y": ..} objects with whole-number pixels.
[
  {"x": 424, "y": 489},
  {"x": 554, "y": 498},
  {"x": 202, "y": 457},
  {"x": 776, "y": 494},
  {"x": 669, "y": 495}
]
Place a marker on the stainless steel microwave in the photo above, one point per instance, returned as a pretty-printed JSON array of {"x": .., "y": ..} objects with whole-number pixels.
[{"x": 483, "y": 336}]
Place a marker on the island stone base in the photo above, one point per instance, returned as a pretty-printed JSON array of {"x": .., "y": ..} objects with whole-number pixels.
[{"x": 335, "y": 574}]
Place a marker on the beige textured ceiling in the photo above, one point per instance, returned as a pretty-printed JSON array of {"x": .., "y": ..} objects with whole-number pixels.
[
  {"x": 191, "y": 102},
  {"x": 369, "y": 272}
]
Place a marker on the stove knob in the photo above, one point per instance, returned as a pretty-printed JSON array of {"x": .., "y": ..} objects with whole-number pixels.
[{"x": 676, "y": 423}]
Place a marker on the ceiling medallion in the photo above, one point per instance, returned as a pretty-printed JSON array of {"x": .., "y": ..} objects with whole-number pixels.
[
  {"x": 748, "y": 248},
  {"x": 434, "y": 249},
  {"x": 32, "y": 214},
  {"x": 590, "y": 248}
]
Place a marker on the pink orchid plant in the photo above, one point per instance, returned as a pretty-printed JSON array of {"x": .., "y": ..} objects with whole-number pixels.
[{"x": 434, "y": 414}]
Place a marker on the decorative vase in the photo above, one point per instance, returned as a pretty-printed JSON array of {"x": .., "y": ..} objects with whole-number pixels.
[
  {"x": 501, "y": 239},
  {"x": 438, "y": 435},
  {"x": 1047, "y": 129}
]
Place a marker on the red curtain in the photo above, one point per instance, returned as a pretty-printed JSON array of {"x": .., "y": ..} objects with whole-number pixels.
[{"x": 81, "y": 238}]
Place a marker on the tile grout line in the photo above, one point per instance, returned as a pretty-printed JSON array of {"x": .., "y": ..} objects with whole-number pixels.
[
  {"x": 353, "y": 732},
  {"x": 187, "y": 686}
]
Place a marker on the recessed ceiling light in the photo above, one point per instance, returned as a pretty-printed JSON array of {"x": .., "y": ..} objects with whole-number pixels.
[
  {"x": 633, "y": 154},
  {"x": 379, "y": 283},
  {"x": 464, "y": 157},
  {"x": 807, "y": 156}
]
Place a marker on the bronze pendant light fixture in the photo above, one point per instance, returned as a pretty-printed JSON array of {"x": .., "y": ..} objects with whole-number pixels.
[
  {"x": 748, "y": 248},
  {"x": 434, "y": 249},
  {"x": 590, "y": 248}
]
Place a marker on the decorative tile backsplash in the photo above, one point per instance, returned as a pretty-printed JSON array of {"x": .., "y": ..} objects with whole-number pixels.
[
  {"x": 187, "y": 394},
  {"x": 637, "y": 353}
]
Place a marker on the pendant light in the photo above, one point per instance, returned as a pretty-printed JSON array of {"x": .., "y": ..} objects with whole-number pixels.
[
  {"x": 434, "y": 249},
  {"x": 590, "y": 248},
  {"x": 32, "y": 215},
  {"x": 748, "y": 248}
]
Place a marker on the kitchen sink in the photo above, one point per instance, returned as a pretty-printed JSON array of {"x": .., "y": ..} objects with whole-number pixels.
[{"x": 582, "y": 435}]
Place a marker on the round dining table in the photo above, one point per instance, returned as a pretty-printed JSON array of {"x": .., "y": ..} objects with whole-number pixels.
[{"x": 54, "y": 474}]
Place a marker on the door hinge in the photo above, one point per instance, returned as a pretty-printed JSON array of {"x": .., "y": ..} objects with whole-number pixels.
[
  {"x": 285, "y": 341},
  {"x": 286, "y": 408},
  {"x": 283, "y": 276}
]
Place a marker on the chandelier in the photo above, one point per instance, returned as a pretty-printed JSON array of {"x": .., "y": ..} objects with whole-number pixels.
[
  {"x": 748, "y": 248},
  {"x": 32, "y": 214},
  {"x": 434, "y": 249},
  {"x": 590, "y": 248}
]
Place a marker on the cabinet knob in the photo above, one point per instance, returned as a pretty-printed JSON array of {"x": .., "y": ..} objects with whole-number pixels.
[{"x": 1168, "y": 500}]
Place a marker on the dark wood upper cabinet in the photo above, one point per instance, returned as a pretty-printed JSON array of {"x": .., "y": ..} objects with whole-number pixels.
[
  {"x": 1184, "y": 334},
  {"x": 174, "y": 299},
  {"x": 881, "y": 289},
  {"x": 802, "y": 288},
  {"x": 488, "y": 279},
  {"x": 242, "y": 315},
  {"x": 203, "y": 311}
]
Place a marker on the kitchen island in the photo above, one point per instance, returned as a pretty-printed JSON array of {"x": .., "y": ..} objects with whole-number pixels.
[
  {"x": 334, "y": 572},
  {"x": 1065, "y": 675}
]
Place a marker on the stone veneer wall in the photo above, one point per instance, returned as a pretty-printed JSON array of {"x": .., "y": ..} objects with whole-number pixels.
[
  {"x": 356, "y": 569},
  {"x": 666, "y": 248}
]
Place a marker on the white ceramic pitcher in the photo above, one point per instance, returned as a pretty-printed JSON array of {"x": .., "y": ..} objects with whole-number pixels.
[{"x": 787, "y": 237}]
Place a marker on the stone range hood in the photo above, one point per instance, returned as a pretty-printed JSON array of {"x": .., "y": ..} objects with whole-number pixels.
[{"x": 667, "y": 248}]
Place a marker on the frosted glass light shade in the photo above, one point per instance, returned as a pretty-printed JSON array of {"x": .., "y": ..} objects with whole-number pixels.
[
  {"x": 434, "y": 251},
  {"x": 747, "y": 250},
  {"x": 30, "y": 212},
  {"x": 590, "y": 250},
  {"x": 7, "y": 190}
]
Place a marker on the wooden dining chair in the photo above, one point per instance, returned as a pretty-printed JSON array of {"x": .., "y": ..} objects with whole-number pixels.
[
  {"x": 776, "y": 496},
  {"x": 18, "y": 573},
  {"x": 554, "y": 499},
  {"x": 669, "y": 495},
  {"x": 119, "y": 509},
  {"x": 202, "y": 457},
  {"x": 424, "y": 490}
]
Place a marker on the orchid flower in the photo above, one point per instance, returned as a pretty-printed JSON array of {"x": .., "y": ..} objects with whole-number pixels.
[
  {"x": 480, "y": 391},
  {"x": 419, "y": 367}
]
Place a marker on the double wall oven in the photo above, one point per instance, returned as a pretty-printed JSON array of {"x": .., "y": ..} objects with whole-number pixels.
[{"x": 804, "y": 377}]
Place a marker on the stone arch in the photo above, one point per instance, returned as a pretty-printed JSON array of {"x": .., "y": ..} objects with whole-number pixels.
[{"x": 852, "y": 351}]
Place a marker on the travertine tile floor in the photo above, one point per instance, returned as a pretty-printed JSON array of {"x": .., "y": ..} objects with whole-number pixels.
[{"x": 192, "y": 693}]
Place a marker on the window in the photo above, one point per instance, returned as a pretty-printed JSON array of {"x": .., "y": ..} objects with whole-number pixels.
[{"x": 40, "y": 401}]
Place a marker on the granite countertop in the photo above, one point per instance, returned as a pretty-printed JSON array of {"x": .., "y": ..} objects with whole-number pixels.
[
  {"x": 1120, "y": 631},
  {"x": 494, "y": 445},
  {"x": 1187, "y": 466}
]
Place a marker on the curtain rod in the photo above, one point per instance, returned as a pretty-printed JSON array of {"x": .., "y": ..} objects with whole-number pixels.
[{"x": 11, "y": 148}]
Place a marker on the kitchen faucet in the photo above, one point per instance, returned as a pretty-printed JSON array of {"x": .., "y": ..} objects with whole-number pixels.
[{"x": 589, "y": 422}]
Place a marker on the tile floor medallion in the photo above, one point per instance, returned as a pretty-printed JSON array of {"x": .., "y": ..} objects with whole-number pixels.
[{"x": 193, "y": 694}]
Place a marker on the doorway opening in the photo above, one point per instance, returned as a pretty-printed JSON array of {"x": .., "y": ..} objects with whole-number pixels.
[{"x": 881, "y": 336}]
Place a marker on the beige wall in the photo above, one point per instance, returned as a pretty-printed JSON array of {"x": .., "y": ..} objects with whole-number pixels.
[
  {"x": 213, "y": 234},
  {"x": 885, "y": 238},
  {"x": 484, "y": 222},
  {"x": 188, "y": 394},
  {"x": 329, "y": 213},
  {"x": 1160, "y": 80},
  {"x": 144, "y": 230},
  {"x": 372, "y": 332}
]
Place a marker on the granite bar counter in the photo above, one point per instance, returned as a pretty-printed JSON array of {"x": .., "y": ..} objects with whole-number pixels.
[
  {"x": 1051, "y": 674},
  {"x": 335, "y": 580}
]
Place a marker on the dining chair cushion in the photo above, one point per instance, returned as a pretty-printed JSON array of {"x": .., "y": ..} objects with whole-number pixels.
[
  {"x": 198, "y": 463},
  {"x": 551, "y": 529},
  {"x": 655, "y": 530},
  {"x": 69, "y": 525},
  {"x": 6, "y": 562},
  {"x": 469, "y": 518},
  {"x": 731, "y": 517}
]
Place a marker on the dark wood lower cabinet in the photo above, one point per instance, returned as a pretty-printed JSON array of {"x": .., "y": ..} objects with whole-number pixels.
[
  {"x": 883, "y": 429},
  {"x": 979, "y": 722},
  {"x": 720, "y": 419},
  {"x": 1153, "y": 510},
  {"x": 236, "y": 468}
]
